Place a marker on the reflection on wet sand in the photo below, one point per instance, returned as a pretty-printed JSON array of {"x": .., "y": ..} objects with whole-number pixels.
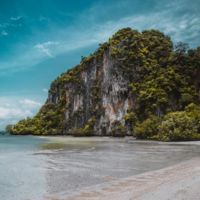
[{"x": 76, "y": 163}]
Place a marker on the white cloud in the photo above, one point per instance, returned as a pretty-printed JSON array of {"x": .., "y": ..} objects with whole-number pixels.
[
  {"x": 4, "y": 33},
  {"x": 14, "y": 109},
  {"x": 11, "y": 24},
  {"x": 45, "y": 90},
  {"x": 16, "y": 18},
  {"x": 46, "y": 47},
  {"x": 43, "y": 49},
  {"x": 30, "y": 103},
  {"x": 10, "y": 113},
  {"x": 42, "y": 18},
  {"x": 4, "y": 25}
]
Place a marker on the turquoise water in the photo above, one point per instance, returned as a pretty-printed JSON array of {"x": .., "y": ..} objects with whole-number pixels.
[
  {"x": 21, "y": 172},
  {"x": 31, "y": 171}
]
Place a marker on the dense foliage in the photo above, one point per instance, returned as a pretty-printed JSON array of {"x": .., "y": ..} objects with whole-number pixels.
[
  {"x": 47, "y": 122},
  {"x": 174, "y": 126},
  {"x": 164, "y": 80}
]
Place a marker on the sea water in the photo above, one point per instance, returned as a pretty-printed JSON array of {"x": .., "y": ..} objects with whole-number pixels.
[
  {"x": 35, "y": 168},
  {"x": 21, "y": 172}
]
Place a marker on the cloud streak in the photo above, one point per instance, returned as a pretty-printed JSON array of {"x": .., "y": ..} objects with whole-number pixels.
[
  {"x": 46, "y": 47},
  {"x": 13, "y": 110},
  {"x": 29, "y": 103},
  {"x": 16, "y": 18},
  {"x": 4, "y": 33}
]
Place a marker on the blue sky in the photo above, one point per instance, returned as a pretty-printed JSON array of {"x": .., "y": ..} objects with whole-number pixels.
[{"x": 39, "y": 39}]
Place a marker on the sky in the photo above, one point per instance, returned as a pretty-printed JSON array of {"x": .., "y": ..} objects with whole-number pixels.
[{"x": 39, "y": 39}]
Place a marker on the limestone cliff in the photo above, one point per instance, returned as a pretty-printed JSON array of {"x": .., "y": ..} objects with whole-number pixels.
[{"x": 99, "y": 92}]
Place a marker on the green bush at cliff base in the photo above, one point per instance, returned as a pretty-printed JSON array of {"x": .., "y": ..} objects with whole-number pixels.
[
  {"x": 148, "y": 128},
  {"x": 87, "y": 130},
  {"x": 130, "y": 121},
  {"x": 118, "y": 129},
  {"x": 182, "y": 125},
  {"x": 178, "y": 126},
  {"x": 174, "y": 126},
  {"x": 48, "y": 121}
]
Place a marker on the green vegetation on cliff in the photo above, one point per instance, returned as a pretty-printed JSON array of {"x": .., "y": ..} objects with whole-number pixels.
[
  {"x": 47, "y": 122},
  {"x": 163, "y": 81},
  {"x": 174, "y": 126}
]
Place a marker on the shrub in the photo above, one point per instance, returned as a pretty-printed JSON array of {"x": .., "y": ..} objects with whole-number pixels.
[
  {"x": 130, "y": 117},
  {"x": 178, "y": 126},
  {"x": 148, "y": 128},
  {"x": 118, "y": 129},
  {"x": 193, "y": 111},
  {"x": 87, "y": 130}
]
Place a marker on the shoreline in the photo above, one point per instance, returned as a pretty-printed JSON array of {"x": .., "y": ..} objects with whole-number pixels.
[
  {"x": 131, "y": 138},
  {"x": 127, "y": 139},
  {"x": 180, "y": 181}
]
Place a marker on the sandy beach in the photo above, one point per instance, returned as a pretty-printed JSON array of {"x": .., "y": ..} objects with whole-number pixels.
[
  {"x": 66, "y": 168},
  {"x": 179, "y": 182}
]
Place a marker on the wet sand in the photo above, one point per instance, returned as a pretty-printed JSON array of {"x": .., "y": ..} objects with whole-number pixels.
[
  {"x": 67, "y": 168},
  {"x": 180, "y": 182},
  {"x": 156, "y": 171}
]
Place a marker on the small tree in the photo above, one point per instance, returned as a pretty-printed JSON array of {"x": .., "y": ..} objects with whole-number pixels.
[{"x": 178, "y": 126}]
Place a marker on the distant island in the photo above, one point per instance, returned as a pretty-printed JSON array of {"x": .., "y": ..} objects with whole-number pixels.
[{"x": 137, "y": 83}]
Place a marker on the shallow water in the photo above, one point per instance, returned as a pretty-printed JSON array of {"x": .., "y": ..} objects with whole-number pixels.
[{"x": 35, "y": 168}]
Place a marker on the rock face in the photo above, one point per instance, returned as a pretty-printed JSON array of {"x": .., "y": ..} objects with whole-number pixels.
[
  {"x": 101, "y": 92},
  {"x": 127, "y": 80}
]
